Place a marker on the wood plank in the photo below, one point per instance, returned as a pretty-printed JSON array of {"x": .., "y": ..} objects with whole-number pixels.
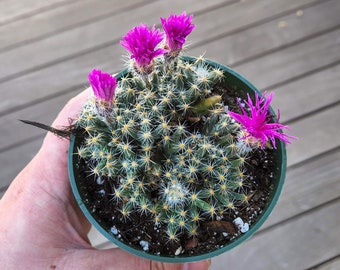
[
  {"x": 307, "y": 186},
  {"x": 298, "y": 152},
  {"x": 244, "y": 15},
  {"x": 49, "y": 49},
  {"x": 13, "y": 126},
  {"x": 12, "y": 10},
  {"x": 256, "y": 40},
  {"x": 107, "y": 30},
  {"x": 316, "y": 135},
  {"x": 303, "y": 192},
  {"x": 307, "y": 94},
  {"x": 281, "y": 66},
  {"x": 20, "y": 90},
  {"x": 301, "y": 243},
  {"x": 61, "y": 19},
  {"x": 8, "y": 138},
  {"x": 329, "y": 265}
]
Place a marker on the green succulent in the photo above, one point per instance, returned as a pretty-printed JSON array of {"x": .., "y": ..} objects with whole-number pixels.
[{"x": 168, "y": 147}]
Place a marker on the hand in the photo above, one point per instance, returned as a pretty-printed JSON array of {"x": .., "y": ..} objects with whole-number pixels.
[{"x": 41, "y": 226}]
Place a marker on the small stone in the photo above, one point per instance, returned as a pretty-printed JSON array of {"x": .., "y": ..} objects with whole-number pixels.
[
  {"x": 225, "y": 234},
  {"x": 178, "y": 251},
  {"x": 243, "y": 227},
  {"x": 238, "y": 221},
  {"x": 99, "y": 181},
  {"x": 114, "y": 230},
  {"x": 144, "y": 245}
]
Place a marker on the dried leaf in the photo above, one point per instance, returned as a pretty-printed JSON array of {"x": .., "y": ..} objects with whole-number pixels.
[
  {"x": 221, "y": 226},
  {"x": 191, "y": 243}
]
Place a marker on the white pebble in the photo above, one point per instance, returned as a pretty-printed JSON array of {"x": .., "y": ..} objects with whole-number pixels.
[
  {"x": 238, "y": 222},
  {"x": 225, "y": 234},
  {"x": 114, "y": 230},
  {"x": 144, "y": 245},
  {"x": 178, "y": 251},
  {"x": 99, "y": 181},
  {"x": 243, "y": 227}
]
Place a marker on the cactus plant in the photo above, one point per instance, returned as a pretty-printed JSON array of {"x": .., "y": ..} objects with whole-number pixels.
[{"x": 164, "y": 140}]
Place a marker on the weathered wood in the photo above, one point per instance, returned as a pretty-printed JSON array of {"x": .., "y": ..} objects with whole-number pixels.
[
  {"x": 73, "y": 71},
  {"x": 259, "y": 39},
  {"x": 6, "y": 137},
  {"x": 61, "y": 19},
  {"x": 243, "y": 15},
  {"x": 31, "y": 86},
  {"x": 34, "y": 113},
  {"x": 316, "y": 91},
  {"x": 305, "y": 241},
  {"x": 333, "y": 264},
  {"x": 306, "y": 186},
  {"x": 278, "y": 67},
  {"x": 294, "y": 43},
  {"x": 92, "y": 35},
  {"x": 317, "y": 134},
  {"x": 13, "y": 10}
]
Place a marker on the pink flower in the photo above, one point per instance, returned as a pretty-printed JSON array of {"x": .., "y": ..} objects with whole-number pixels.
[
  {"x": 103, "y": 85},
  {"x": 257, "y": 124},
  {"x": 141, "y": 43},
  {"x": 177, "y": 28}
]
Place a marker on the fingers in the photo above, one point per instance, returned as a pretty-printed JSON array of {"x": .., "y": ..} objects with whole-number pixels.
[
  {"x": 53, "y": 154},
  {"x": 202, "y": 265},
  {"x": 117, "y": 259}
]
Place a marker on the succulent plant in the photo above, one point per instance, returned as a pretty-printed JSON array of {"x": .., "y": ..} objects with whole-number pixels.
[{"x": 163, "y": 139}]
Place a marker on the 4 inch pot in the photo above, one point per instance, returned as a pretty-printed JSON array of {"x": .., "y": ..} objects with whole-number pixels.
[{"x": 238, "y": 83}]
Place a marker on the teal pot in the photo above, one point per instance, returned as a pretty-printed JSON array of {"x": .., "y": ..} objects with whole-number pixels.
[{"x": 242, "y": 86}]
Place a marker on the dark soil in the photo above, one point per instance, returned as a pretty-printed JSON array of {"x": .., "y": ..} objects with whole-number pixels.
[{"x": 212, "y": 234}]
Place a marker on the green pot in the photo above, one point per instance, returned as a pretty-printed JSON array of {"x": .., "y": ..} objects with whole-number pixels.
[{"x": 239, "y": 83}]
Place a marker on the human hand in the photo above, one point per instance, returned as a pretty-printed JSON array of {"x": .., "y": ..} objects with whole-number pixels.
[{"x": 41, "y": 225}]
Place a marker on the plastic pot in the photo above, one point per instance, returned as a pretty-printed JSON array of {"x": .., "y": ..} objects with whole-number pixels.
[{"x": 239, "y": 83}]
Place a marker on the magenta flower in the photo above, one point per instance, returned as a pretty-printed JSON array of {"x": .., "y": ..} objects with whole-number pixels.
[
  {"x": 177, "y": 28},
  {"x": 103, "y": 85},
  {"x": 141, "y": 43},
  {"x": 257, "y": 124}
]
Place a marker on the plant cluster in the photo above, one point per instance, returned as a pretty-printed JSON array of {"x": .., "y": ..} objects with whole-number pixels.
[{"x": 163, "y": 139}]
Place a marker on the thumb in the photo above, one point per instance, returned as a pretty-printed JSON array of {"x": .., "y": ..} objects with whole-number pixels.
[{"x": 117, "y": 259}]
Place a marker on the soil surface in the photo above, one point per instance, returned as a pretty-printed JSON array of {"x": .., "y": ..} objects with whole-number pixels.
[{"x": 140, "y": 231}]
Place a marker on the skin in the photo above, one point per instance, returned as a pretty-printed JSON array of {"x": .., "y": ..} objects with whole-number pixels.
[{"x": 41, "y": 226}]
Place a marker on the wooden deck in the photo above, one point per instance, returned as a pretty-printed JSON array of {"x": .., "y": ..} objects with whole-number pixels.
[{"x": 292, "y": 47}]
